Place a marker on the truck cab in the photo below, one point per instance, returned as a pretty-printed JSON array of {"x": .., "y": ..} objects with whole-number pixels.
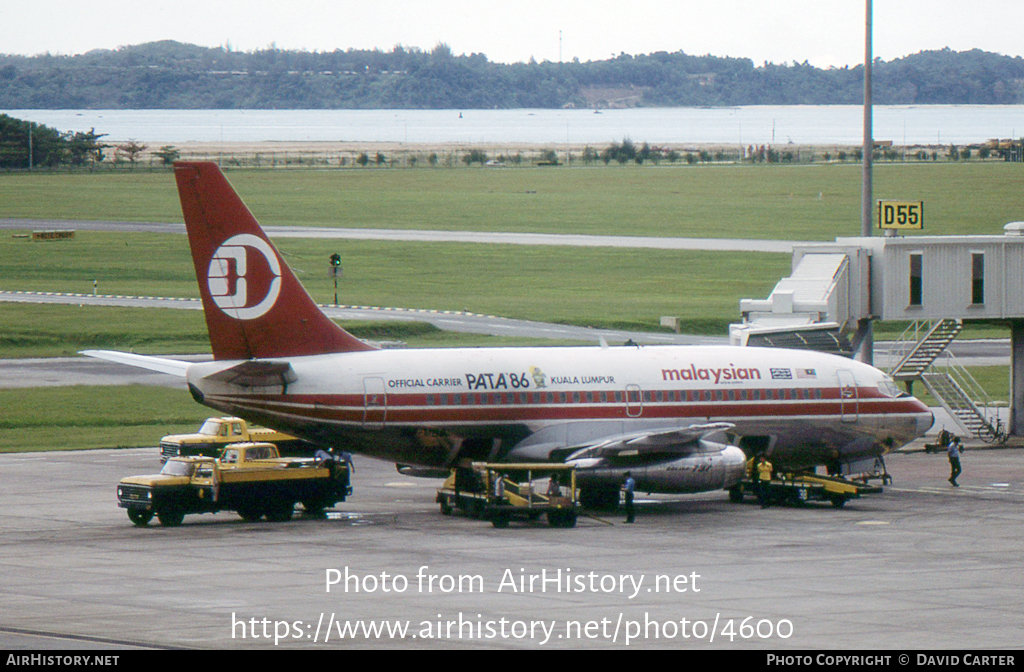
[{"x": 216, "y": 433}]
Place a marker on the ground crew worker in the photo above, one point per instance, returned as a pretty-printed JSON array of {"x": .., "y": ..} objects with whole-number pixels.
[
  {"x": 627, "y": 491},
  {"x": 953, "y": 450},
  {"x": 764, "y": 479}
]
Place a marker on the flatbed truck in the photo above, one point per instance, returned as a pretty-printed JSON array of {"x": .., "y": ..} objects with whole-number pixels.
[
  {"x": 250, "y": 478},
  {"x": 801, "y": 487},
  {"x": 503, "y": 492}
]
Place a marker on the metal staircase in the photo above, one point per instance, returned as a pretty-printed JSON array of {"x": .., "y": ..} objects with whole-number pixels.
[
  {"x": 973, "y": 411},
  {"x": 955, "y": 388},
  {"x": 920, "y": 344}
]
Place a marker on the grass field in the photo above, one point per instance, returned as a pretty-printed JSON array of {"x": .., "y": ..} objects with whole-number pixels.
[
  {"x": 803, "y": 202},
  {"x": 602, "y": 287},
  {"x": 65, "y": 418}
]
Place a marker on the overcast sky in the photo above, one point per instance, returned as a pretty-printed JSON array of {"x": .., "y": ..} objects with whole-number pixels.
[{"x": 823, "y": 32}]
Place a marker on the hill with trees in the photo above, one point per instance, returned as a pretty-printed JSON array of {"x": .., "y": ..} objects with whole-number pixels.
[{"x": 171, "y": 75}]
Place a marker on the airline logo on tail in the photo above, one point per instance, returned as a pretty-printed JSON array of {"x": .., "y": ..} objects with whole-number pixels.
[{"x": 244, "y": 285}]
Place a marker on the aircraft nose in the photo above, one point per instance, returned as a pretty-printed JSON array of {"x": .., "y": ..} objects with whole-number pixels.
[{"x": 925, "y": 422}]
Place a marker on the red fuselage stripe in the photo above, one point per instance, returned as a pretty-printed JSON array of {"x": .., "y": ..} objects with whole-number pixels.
[{"x": 534, "y": 407}]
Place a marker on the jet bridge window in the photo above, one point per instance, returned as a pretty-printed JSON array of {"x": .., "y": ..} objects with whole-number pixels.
[
  {"x": 977, "y": 278},
  {"x": 916, "y": 278}
]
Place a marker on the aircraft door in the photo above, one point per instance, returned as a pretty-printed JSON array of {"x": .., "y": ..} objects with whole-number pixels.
[
  {"x": 634, "y": 401},
  {"x": 375, "y": 403},
  {"x": 849, "y": 403}
]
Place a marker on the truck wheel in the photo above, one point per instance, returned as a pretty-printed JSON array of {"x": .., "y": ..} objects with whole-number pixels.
[
  {"x": 314, "y": 507},
  {"x": 500, "y": 521},
  {"x": 446, "y": 507},
  {"x": 170, "y": 518},
  {"x": 562, "y": 519},
  {"x": 250, "y": 515},
  {"x": 838, "y": 501},
  {"x": 140, "y": 517},
  {"x": 736, "y": 494},
  {"x": 280, "y": 512}
]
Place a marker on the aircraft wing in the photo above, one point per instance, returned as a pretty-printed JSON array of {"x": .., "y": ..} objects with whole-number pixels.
[
  {"x": 174, "y": 367},
  {"x": 678, "y": 440}
]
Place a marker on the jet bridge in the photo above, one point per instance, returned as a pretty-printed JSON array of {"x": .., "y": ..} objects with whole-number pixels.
[
  {"x": 812, "y": 308},
  {"x": 933, "y": 283}
]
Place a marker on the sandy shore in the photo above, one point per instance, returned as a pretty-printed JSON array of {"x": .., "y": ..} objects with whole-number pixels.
[{"x": 450, "y": 153}]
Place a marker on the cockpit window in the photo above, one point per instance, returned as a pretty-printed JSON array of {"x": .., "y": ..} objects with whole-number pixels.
[{"x": 890, "y": 389}]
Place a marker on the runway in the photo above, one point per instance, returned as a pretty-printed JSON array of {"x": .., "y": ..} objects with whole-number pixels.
[
  {"x": 921, "y": 566},
  {"x": 437, "y": 236}
]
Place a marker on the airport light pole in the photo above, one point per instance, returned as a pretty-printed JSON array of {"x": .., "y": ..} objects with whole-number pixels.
[
  {"x": 869, "y": 144},
  {"x": 865, "y": 336}
]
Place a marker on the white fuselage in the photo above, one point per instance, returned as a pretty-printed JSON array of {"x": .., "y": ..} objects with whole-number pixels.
[{"x": 430, "y": 407}]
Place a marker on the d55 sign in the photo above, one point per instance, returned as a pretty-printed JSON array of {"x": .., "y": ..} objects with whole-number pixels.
[{"x": 901, "y": 214}]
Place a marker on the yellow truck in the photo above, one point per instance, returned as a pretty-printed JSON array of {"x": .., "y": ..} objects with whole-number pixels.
[
  {"x": 219, "y": 432},
  {"x": 250, "y": 478},
  {"x": 502, "y": 492}
]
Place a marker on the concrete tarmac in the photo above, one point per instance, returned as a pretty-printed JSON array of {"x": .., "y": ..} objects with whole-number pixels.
[{"x": 921, "y": 566}]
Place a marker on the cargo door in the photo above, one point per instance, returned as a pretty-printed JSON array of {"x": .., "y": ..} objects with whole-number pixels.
[{"x": 375, "y": 403}]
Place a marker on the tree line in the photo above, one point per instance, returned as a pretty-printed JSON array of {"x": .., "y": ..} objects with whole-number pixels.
[
  {"x": 172, "y": 75},
  {"x": 26, "y": 144}
]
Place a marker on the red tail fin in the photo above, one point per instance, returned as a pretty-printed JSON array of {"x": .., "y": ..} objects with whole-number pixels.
[{"x": 254, "y": 304}]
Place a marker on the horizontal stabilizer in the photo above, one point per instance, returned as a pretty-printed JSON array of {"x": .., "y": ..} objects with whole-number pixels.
[
  {"x": 257, "y": 373},
  {"x": 173, "y": 367}
]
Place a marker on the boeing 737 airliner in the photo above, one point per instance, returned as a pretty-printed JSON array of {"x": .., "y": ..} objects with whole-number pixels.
[{"x": 680, "y": 418}]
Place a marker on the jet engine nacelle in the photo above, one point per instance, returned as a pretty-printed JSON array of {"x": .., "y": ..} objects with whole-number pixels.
[{"x": 715, "y": 467}]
